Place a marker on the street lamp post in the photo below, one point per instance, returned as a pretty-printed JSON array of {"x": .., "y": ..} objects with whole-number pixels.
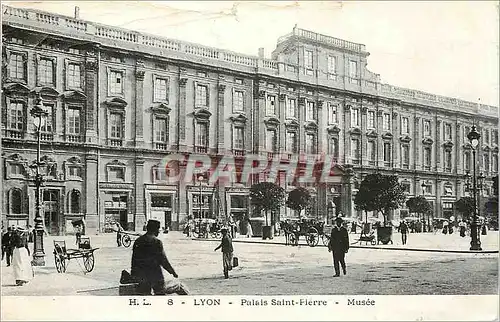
[
  {"x": 423, "y": 219},
  {"x": 200, "y": 180},
  {"x": 474, "y": 137},
  {"x": 38, "y": 252}
]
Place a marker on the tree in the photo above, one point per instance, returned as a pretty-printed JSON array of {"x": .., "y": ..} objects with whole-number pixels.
[
  {"x": 465, "y": 206},
  {"x": 298, "y": 199},
  {"x": 267, "y": 196},
  {"x": 380, "y": 193},
  {"x": 420, "y": 205}
]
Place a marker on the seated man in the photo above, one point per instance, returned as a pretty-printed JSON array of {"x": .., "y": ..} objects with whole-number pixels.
[{"x": 148, "y": 257}]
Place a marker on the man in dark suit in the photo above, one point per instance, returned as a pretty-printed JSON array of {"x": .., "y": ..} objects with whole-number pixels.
[
  {"x": 339, "y": 245},
  {"x": 148, "y": 257},
  {"x": 7, "y": 244}
]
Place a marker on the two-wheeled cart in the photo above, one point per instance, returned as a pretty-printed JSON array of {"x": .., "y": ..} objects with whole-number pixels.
[{"x": 63, "y": 255}]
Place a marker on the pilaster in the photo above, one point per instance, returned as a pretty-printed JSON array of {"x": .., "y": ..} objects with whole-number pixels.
[
  {"x": 438, "y": 147},
  {"x": 301, "y": 116},
  {"x": 282, "y": 129},
  {"x": 139, "y": 106},
  {"x": 91, "y": 195},
  {"x": 91, "y": 89},
  {"x": 380, "y": 141},
  {"x": 416, "y": 143},
  {"x": 181, "y": 115},
  {"x": 140, "y": 216},
  {"x": 221, "y": 90}
]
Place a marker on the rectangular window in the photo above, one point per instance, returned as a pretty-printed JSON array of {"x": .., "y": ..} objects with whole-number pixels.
[
  {"x": 334, "y": 147},
  {"x": 161, "y": 130},
  {"x": 354, "y": 117},
  {"x": 116, "y": 125},
  {"x": 116, "y": 82},
  {"x": 405, "y": 127},
  {"x": 73, "y": 119},
  {"x": 116, "y": 174},
  {"x": 355, "y": 149},
  {"x": 46, "y": 71},
  {"x": 427, "y": 127},
  {"x": 291, "y": 142},
  {"x": 332, "y": 65},
  {"x": 291, "y": 108},
  {"x": 16, "y": 116},
  {"x": 486, "y": 162},
  {"x": 201, "y": 134},
  {"x": 310, "y": 112},
  {"x": 427, "y": 157},
  {"x": 387, "y": 152},
  {"x": 238, "y": 138},
  {"x": 74, "y": 76},
  {"x": 310, "y": 143},
  {"x": 46, "y": 125},
  {"x": 447, "y": 131},
  {"x": 371, "y": 119},
  {"x": 332, "y": 113},
  {"x": 386, "y": 125},
  {"x": 308, "y": 59},
  {"x": 467, "y": 161},
  {"x": 16, "y": 66},
  {"x": 161, "y": 90},
  {"x": 371, "y": 150},
  {"x": 271, "y": 105},
  {"x": 271, "y": 140},
  {"x": 447, "y": 160},
  {"x": 201, "y": 95},
  {"x": 405, "y": 152},
  {"x": 353, "y": 69},
  {"x": 74, "y": 171},
  {"x": 238, "y": 101}
]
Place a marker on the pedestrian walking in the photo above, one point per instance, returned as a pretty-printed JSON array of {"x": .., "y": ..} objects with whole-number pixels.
[
  {"x": 119, "y": 230},
  {"x": 78, "y": 234},
  {"x": 7, "y": 242},
  {"x": 148, "y": 259},
  {"x": 403, "y": 228},
  {"x": 23, "y": 272},
  {"x": 353, "y": 227},
  {"x": 339, "y": 246},
  {"x": 249, "y": 229},
  {"x": 227, "y": 252},
  {"x": 462, "y": 227}
]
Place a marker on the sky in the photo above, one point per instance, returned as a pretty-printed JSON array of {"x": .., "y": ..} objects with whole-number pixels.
[{"x": 448, "y": 48}]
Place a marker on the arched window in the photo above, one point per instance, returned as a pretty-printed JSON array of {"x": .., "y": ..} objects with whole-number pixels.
[
  {"x": 16, "y": 201},
  {"x": 74, "y": 202}
]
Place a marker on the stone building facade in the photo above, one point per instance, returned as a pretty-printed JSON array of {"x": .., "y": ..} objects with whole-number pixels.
[{"x": 120, "y": 101}]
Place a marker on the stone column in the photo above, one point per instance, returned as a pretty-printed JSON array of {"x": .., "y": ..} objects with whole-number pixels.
[
  {"x": 380, "y": 142},
  {"x": 140, "y": 216},
  {"x": 91, "y": 106},
  {"x": 139, "y": 106},
  {"x": 438, "y": 146},
  {"x": 416, "y": 143},
  {"x": 282, "y": 129},
  {"x": 91, "y": 194},
  {"x": 221, "y": 90},
  {"x": 396, "y": 146},
  {"x": 181, "y": 116}
]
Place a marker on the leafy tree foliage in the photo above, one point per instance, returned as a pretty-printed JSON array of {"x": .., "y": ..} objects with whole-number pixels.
[
  {"x": 418, "y": 205},
  {"x": 298, "y": 199},
  {"x": 267, "y": 196},
  {"x": 465, "y": 206},
  {"x": 380, "y": 193}
]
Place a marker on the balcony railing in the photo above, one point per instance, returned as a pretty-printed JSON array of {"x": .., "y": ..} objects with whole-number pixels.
[
  {"x": 46, "y": 137},
  {"x": 14, "y": 134},
  {"x": 115, "y": 142},
  {"x": 74, "y": 138},
  {"x": 200, "y": 149},
  {"x": 161, "y": 146},
  {"x": 238, "y": 152}
]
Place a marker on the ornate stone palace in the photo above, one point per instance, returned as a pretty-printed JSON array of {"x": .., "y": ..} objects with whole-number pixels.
[{"x": 119, "y": 101}]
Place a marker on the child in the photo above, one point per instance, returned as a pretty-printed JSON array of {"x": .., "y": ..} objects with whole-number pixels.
[{"x": 227, "y": 252}]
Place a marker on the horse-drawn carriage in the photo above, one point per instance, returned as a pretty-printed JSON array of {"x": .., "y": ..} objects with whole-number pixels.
[{"x": 311, "y": 229}]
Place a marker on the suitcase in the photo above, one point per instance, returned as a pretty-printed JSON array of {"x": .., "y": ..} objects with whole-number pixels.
[{"x": 235, "y": 262}]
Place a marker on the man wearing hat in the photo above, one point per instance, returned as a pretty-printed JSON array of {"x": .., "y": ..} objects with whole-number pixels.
[
  {"x": 7, "y": 242},
  {"x": 227, "y": 252},
  {"x": 148, "y": 257},
  {"x": 339, "y": 245}
]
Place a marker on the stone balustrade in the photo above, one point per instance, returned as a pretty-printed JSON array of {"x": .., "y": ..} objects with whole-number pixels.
[{"x": 54, "y": 22}]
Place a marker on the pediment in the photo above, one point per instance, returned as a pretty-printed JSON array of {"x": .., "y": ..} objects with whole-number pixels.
[
  {"x": 46, "y": 92},
  {"x": 291, "y": 123},
  {"x": 387, "y": 135},
  {"x": 16, "y": 157},
  {"x": 116, "y": 163},
  {"x": 47, "y": 159},
  {"x": 372, "y": 134},
  {"x": 311, "y": 125},
  {"x": 160, "y": 108},
  {"x": 74, "y": 95},
  {"x": 467, "y": 146},
  {"x": 238, "y": 117},
  {"x": 427, "y": 141},
  {"x": 486, "y": 148},
  {"x": 333, "y": 129},
  {"x": 16, "y": 88},
  {"x": 405, "y": 138},
  {"x": 116, "y": 102},
  {"x": 355, "y": 130},
  {"x": 202, "y": 113},
  {"x": 74, "y": 160},
  {"x": 271, "y": 120},
  {"x": 448, "y": 144}
]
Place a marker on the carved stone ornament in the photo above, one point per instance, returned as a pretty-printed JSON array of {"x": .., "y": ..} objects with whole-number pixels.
[
  {"x": 347, "y": 107},
  {"x": 139, "y": 75},
  {"x": 405, "y": 138},
  {"x": 47, "y": 93},
  {"x": 320, "y": 103},
  {"x": 292, "y": 123},
  {"x": 75, "y": 160},
  {"x": 333, "y": 129},
  {"x": 238, "y": 118},
  {"x": 202, "y": 114},
  {"x": 427, "y": 141},
  {"x": 74, "y": 95},
  {"x": 387, "y": 135},
  {"x": 302, "y": 101},
  {"x": 160, "y": 108},
  {"x": 91, "y": 65},
  {"x": 311, "y": 125},
  {"x": 282, "y": 97},
  {"x": 355, "y": 130},
  {"x": 16, "y": 89},
  {"x": 271, "y": 121},
  {"x": 364, "y": 109},
  {"x": 116, "y": 102},
  {"x": 221, "y": 88},
  {"x": 448, "y": 145},
  {"x": 183, "y": 81},
  {"x": 372, "y": 134},
  {"x": 261, "y": 94}
]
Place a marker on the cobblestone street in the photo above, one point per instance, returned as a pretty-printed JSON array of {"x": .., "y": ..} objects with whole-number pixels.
[{"x": 270, "y": 268}]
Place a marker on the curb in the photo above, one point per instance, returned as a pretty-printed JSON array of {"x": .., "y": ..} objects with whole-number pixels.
[{"x": 431, "y": 250}]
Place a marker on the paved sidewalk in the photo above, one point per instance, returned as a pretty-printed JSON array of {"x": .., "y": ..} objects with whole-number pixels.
[{"x": 424, "y": 242}]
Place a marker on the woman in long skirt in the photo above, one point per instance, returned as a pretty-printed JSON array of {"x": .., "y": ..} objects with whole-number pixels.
[{"x": 21, "y": 258}]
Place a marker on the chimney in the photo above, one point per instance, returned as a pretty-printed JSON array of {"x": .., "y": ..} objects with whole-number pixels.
[
  {"x": 261, "y": 52},
  {"x": 77, "y": 12}
]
